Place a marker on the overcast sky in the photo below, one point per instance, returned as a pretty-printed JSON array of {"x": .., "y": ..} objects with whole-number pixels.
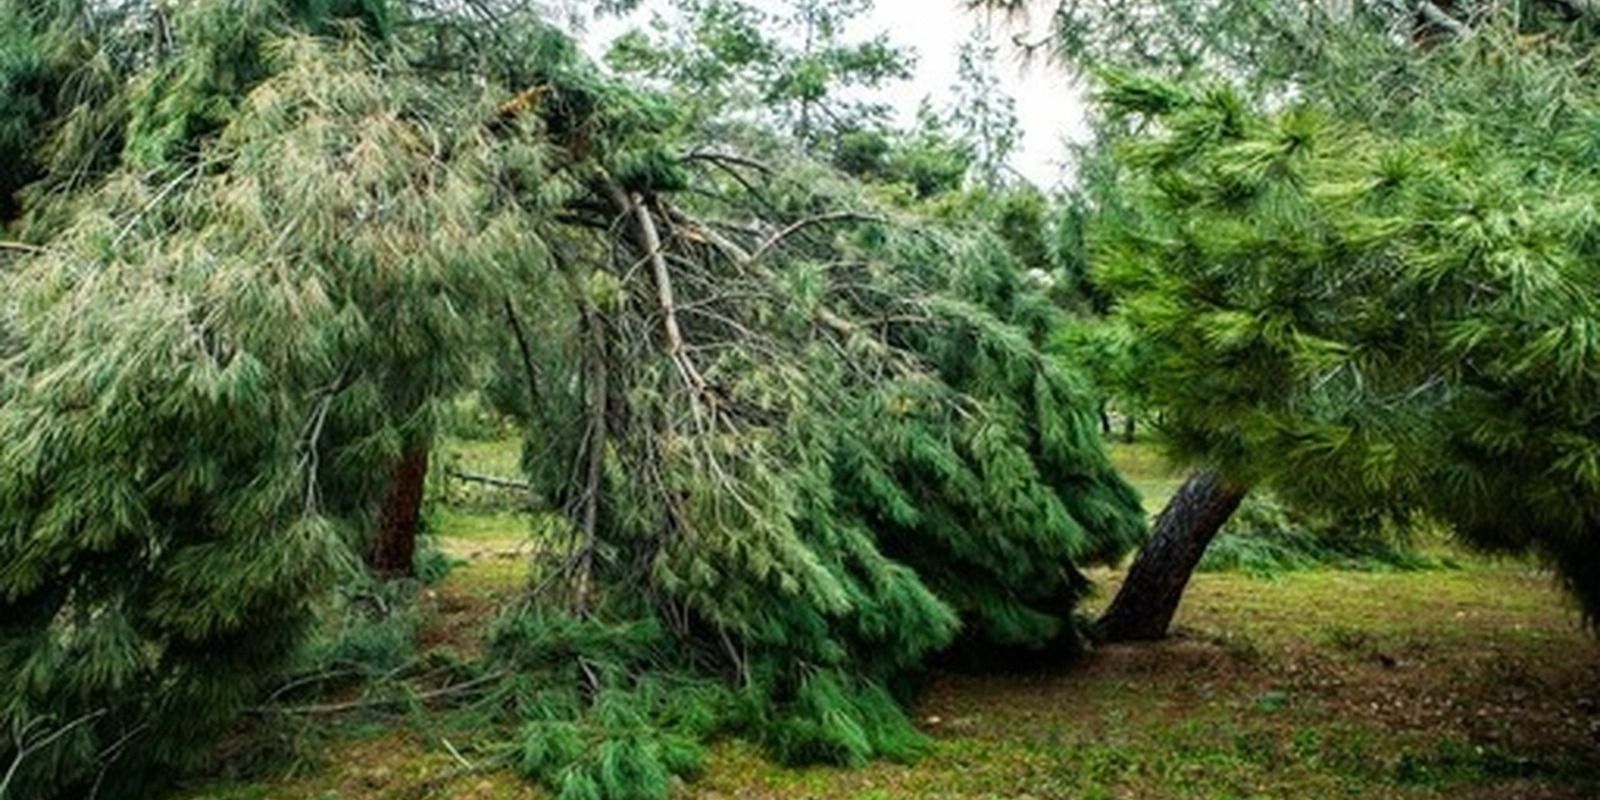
[{"x": 1050, "y": 108}]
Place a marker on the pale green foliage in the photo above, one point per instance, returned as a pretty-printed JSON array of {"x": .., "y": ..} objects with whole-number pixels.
[{"x": 218, "y": 362}]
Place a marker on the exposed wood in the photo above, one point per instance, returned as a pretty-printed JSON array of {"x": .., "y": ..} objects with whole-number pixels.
[
  {"x": 23, "y": 247},
  {"x": 1438, "y": 16},
  {"x": 648, "y": 238},
  {"x": 751, "y": 260},
  {"x": 352, "y": 705}
]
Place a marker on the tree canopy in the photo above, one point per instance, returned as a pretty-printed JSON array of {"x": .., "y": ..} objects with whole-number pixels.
[
  {"x": 800, "y": 445},
  {"x": 1364, "y": 314}
]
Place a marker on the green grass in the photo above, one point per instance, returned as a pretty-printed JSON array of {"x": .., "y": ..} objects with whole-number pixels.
[
  {"x": 1476, "y": 682},
  {"x": 1142, "y": 464},
  {"x": 499, "y": 457}
]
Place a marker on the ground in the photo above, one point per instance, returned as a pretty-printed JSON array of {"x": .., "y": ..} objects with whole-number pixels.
[{"x": 1476, "y": 682}]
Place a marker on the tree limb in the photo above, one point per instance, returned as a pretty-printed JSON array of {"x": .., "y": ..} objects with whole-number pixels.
[
  {"x": 1574, "y": 9},
  {"x": 837, "y": 216},
  {"x": 490, "y": 480},
  {"x": 529, "y": 368}
]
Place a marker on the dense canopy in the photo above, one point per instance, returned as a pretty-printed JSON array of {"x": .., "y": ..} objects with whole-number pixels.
[{"x": 1360, "y": 317}]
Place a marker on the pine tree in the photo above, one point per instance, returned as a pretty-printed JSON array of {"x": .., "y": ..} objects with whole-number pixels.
[
  {"x": 795, "y": 65},
  {"x": 1383, "y": 317},
  {"x": 1392, "y": 67},
  {"x": 801, "y": 446},
  {"x": 216, "y": 362}
]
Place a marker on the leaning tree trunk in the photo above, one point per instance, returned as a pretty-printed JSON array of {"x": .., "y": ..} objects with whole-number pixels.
[
  {"x": 1144, "y": 606},
  {"x": 395, "y": 547}
]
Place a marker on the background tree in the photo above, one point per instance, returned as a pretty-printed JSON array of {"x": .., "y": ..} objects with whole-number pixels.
[
  {"x": 796, "y": 66},
  {"x": 1386, "y": 65},
  {"x": 982, "y": 113}
]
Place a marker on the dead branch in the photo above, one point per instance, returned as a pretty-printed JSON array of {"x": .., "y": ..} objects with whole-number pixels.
[
  {"x": 598, "y": 379},
  {"x": 490, "y": 480},
  {"x": 837, "y": 216},
  {"x": 529, "y": 368},
  {"x": 352, "y": 705},
  {"x": 26, "y": 746},
  {"x": 738, "y": 160}
]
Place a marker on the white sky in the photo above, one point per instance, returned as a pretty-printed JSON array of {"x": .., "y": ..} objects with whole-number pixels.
[{"x": 1049, "y": 106}]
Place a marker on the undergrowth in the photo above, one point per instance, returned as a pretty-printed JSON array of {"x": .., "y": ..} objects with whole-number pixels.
[{"x": 1266, "y": 537}]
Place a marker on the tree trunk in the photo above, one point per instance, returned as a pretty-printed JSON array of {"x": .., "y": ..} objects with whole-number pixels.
[
  {"x": 1144, "y": 606},
  {"x": 396, "y": 544},
  {"x": 1129, "y": 428}
]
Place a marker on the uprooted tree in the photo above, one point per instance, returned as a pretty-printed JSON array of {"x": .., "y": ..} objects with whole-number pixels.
[{"x": 801, "y": 447}]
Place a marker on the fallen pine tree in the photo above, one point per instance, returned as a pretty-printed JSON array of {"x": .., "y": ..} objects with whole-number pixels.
[{"x": 800, "y": 445}]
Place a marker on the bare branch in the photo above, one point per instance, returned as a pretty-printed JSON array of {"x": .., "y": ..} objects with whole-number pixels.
[
  {"x": 1437, "y": 16},
  {"x": 529, "y": 368},
  {"x": 837, "y": 216},
  {"x": 490, "y": 480}
]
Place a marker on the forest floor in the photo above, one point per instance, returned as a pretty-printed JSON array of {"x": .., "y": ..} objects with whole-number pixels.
[{"x": 1473, "y": 682}]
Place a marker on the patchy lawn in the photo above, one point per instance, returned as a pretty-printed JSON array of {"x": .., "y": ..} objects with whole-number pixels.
[
  {"x": 1478, "y": 682},
  {"x": 1142, "y": 464}
]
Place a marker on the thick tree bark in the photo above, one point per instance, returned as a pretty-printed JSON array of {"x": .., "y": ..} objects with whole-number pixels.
[
  {"x": 395, "y": 547},
  {"x": 1148, "y": 599}
]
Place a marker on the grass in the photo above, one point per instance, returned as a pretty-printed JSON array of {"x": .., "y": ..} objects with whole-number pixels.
[
  {"x": 1143, "y": 465},
  {"x": 501, "y": 457},
  {"x": 1471, "y": 683}
]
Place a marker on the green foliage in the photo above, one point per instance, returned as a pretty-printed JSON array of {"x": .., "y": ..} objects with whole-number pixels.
[
  {"x": 1383, "y": 317},
  {"x": 925, "y": 162},
  {"x": 1265, "y": 537},
  {"x": 215, "y": 370},
  {"x": 604, "y": 711},
  {"x": 857, "y": 505},
  {"x": 794, "y": 63},
  {"x": 844, "y": 454},
  {"x": 796, "y": 446}
]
